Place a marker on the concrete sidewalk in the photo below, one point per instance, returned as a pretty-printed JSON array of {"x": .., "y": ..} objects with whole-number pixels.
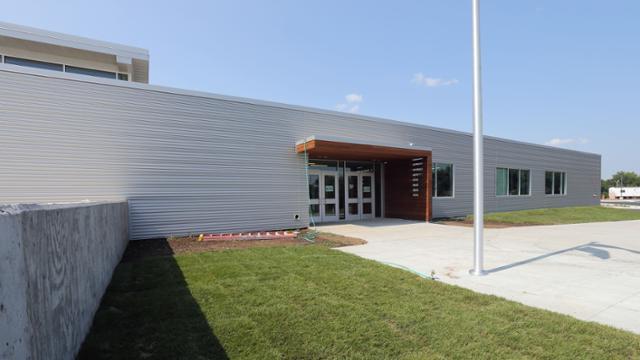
[{"x": 589, "y": 271}]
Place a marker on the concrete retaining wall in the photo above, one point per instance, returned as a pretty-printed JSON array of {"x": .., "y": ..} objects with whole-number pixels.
[{"x": 56, "y": 261}]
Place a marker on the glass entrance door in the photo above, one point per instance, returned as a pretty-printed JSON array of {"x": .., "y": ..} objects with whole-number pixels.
[
  {"x": 352, "y": 196},
  {"x": 359, "y": 195},
  {"x": 314, "y": 196},
  {"x": 323, "y": 195},
  {"x": 329, "y": 196},
  {"x": 341, "y": 190}
]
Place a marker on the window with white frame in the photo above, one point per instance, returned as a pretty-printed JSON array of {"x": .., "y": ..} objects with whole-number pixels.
[
  {"x": 33, "y": 63},
  {"x": 513, "y": 182},
  {"x": 90, "y": 72},
  {"x": 555, "y": 183},
  {"x": 62, "y": 67},
  {"x": 442, "y": 180}
]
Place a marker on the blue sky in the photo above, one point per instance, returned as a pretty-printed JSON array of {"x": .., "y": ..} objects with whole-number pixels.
[{"x": 556, "y": 72}]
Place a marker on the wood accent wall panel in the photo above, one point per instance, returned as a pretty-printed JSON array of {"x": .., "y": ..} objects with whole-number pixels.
[{"x": 399, "y": 199}]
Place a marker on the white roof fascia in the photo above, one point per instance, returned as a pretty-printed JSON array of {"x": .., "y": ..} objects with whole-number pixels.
[{"x": 71, "y": 41}]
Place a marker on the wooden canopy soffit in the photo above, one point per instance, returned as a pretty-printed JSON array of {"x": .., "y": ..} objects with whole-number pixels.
[{"x": 339, "y": 150}]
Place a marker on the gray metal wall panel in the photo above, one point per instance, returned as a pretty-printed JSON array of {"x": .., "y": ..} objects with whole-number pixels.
[{"x": 191, "y": 163}]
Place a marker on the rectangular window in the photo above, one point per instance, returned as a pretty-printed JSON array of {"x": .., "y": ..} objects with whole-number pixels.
[
  {"x": 122, "y": 76},
  {"x": 359, "y": 166},
  {"x": 524, "y": 182},
  {"x": 32, "y": 63},
  {"x": 555, "y": 183},
  {"x": 314, "y": 210},
  {"x": 314, "y": 187},
  {"x": 502, "y": 175},
  {"x": 548, "y": 182},
  {"x": 323, "y": 165},
  {"x": 352, "y": 186},
  {"x": 442, "y": 180},
  {"x": 330, "y": 209},
  {"x": 90, "y": 72},
  {"x": 366, "y": 208},
  {"x": 512, "y": 182},
  {"x": 366, "y": 187},
  {"x": 329, "y": 186}
]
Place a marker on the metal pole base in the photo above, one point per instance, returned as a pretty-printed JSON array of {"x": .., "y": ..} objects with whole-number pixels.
[{"x": 478, "y": 273}]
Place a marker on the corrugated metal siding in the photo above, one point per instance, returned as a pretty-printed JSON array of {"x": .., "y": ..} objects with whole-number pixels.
[{"x": 191, "y": 163}]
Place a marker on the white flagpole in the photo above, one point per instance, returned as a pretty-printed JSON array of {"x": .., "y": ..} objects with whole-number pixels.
[{"x": 478, "y": 160}]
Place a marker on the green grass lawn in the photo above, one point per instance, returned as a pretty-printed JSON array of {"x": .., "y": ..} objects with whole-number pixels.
[
  {"x": 555, "y": 216},
  {"x": 311, "y": 302}
]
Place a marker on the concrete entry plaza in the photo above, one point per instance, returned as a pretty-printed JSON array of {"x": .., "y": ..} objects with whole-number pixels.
[{"x": 589, "y": 271}]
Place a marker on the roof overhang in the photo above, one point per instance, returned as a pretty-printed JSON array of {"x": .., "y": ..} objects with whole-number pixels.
[
  {"x": 351, "y": 149},
  {"x": 124, "y": 52}
]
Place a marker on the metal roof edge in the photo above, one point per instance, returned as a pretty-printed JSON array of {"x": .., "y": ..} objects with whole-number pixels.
[{"x": 72, "y": 41}]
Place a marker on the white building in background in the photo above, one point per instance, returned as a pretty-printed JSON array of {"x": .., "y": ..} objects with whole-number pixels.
[{"x": 624, "y": 193}]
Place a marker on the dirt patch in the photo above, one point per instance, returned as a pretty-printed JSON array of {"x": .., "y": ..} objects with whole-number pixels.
[
  {"x": 487, "y": 224},
  {"x": 139, "y": 249},
  {"x": 333, "y": 240}
]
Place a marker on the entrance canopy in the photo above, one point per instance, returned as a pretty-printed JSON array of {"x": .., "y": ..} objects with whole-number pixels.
[
  {"x": 404, "y": 172},
  {"x": 348, "y": 149}
]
